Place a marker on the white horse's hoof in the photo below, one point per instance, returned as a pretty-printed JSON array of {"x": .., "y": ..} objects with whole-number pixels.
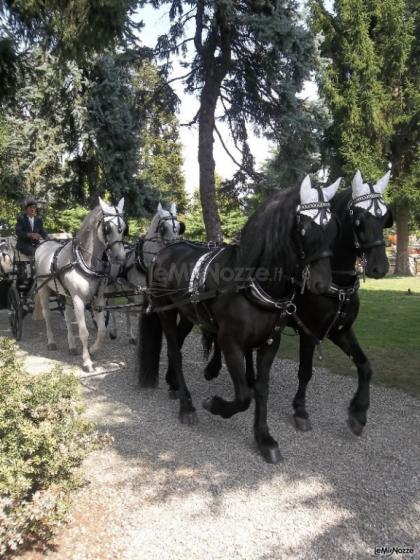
[
  {"x": 88, "y": 368},
  {"x": 52, "y": 346}
]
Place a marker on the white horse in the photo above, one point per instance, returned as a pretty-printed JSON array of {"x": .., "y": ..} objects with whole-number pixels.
[
  {"x": 164, "y": 228},
  {"x": 76, "y": 270}
]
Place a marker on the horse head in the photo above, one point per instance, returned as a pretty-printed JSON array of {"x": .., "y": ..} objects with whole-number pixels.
[
  {"x": 316, "y": 232},
  {"x": 165, "y": 224},
  {"x": 112, "y": 230},
  {"x": 6, "y": 257},
  {"x": 369, "y": 216}
]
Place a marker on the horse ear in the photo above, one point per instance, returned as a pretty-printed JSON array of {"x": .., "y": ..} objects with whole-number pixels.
[
  {"x": 305, "y": 190},
  {"x": 381, "y": 185},
  {"x": 160, "y": 209},
  {"x": 357, "y": 184},
  {"x": 173, "y": 209},
  {"x": 120, "y": 206},
  {"x": 104, "y": 206},
  {"x": 330, "y": 191}
]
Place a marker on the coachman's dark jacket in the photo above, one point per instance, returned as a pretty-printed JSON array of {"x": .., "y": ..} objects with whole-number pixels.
[{"x": 23, "y": 227}]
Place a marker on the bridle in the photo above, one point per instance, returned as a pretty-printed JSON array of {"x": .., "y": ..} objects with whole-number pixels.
[
  {"x": 121, "y": 225},
  {"x": 375, "y": 198},
  {"x": 164, "y": 219}
]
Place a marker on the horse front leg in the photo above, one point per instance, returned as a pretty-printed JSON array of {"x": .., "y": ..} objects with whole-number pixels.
[
  {"x": 359, "y": 405},
  {"x": 70, "y": 336},
  {"x": 306, "y": 354},
  {"x": 267, "y": 445},
  {"x": 99, "y": 314},
  {"x": 79, "y": 312},
  {"x": 187, "y": 413},
  {"x": 44, "y": 300},
  {"x": 234, "y": 358}
]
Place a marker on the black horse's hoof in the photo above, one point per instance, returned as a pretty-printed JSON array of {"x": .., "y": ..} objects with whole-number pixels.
[
  {"x": 132, "y": 341},
  {"x": 173, "y": 394},
  {"x": 112, "y": 336},
  {"x": 188, "y": 418},
  {"x": 355, "y": 426},
  {"x": 73, "y": 351},
  {"x": 52, "y": 346},
  {"x": 271, "y": 455},
  {"x": 207, "y": 403},
  {"x": 302, "y": 424}
]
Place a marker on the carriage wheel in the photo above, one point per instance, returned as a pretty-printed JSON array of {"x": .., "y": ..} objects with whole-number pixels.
[{"x": 15, "y": 312}]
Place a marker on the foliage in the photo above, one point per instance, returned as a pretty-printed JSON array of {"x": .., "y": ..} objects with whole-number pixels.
[
  {"x": 370, "y": 83},
  {"x": 67, "y": 220},
  {"x": 43, "y": 440}
]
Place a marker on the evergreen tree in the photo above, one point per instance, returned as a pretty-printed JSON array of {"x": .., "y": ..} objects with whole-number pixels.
[
  {"x": 250, "y": 58},
  {"x": 370, "y": 83}
]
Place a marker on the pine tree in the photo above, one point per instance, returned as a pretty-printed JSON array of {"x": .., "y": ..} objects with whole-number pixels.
[{"x": 370, "y": 83}]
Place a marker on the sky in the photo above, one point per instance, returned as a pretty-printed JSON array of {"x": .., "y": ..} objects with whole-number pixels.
[{"x": 156, "y": 23}]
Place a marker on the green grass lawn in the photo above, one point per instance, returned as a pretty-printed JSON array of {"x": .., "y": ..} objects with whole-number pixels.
[{"x": 388, "y": 329}]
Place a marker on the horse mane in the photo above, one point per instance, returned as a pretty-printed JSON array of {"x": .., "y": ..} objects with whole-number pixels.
[
  {"x": 266, "y": 238},
  {"x": 87, "y": 230}
]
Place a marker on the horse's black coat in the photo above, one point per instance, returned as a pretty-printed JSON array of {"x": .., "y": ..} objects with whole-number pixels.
[
  {"x": 319, "y": 313},
  {"x": 273, "y": 242}
]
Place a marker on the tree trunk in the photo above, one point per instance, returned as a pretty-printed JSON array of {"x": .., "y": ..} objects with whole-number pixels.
[
  {"x": 208, "y": 101},
  {"x": 402, "y": 266}
]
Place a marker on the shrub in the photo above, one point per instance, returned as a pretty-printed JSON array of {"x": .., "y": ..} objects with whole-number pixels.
[{"x": 43, "y": 440}]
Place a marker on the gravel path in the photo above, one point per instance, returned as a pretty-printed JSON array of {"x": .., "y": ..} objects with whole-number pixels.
[{"x": 165, "y": 491}]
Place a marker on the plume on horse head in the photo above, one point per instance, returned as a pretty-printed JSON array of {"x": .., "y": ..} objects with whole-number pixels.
[{"x": 266, "y": 238}]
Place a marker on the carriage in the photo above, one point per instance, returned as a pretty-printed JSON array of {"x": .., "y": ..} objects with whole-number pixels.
[{"x": 18, "y": 274}]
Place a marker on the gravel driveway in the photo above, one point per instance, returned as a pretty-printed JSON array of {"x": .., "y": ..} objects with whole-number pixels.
[{"x": 165, "y": 491}]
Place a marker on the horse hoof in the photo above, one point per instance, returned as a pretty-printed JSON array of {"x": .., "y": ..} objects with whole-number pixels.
[
  {"x": 188, "y": 418},
  {"x": 88, "y": 368},
  {"x": 355, "y": 426},
  {"x": 271, "y": 455},
  {"x": 302, "y": 424},
  {"x": 73, "y": 351},
  {"x": 52, "y": 346},
  {"x": 132, "y": 341},
  {"x": 173, "y": 394},
  {"x": 112, "y": 336},
  {"x": 207, "y": 403}
]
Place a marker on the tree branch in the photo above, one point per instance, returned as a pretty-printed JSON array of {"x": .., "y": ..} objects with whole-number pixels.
[{"x": 225, "y": 148}]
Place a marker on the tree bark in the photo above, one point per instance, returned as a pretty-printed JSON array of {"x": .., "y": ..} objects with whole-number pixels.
[
  {"x": 209, "y": 96},
  {"x": 402, "y": 266}
]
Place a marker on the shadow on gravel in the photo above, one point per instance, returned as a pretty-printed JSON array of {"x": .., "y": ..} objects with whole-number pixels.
[{"x": 345, "y": 494}]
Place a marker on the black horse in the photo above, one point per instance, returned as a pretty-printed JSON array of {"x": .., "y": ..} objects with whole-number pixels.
[
  {"x": 363, "y": 214},
  {"x": 243, "y": 294}
]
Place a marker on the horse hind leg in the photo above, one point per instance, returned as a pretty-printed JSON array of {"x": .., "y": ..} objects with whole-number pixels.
[
  {"x": 187, "y": 413},
  {"x": 359, "y": 405},
  {"x": 44, "y": 301}
]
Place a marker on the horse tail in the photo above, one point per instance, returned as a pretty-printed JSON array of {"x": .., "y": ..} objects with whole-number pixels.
[
  {"x": 207, "y": 340},
  {"x": 149, "y": 343},
  {"x": 37, "y": 314}
]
